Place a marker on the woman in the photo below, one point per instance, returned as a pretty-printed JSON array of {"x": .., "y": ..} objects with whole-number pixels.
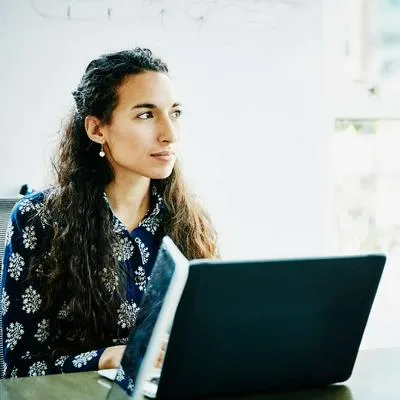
[{"x": 78, "y": 255}]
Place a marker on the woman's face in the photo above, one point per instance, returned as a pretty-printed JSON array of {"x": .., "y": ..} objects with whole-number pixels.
[{"x": 143, "y": 134}]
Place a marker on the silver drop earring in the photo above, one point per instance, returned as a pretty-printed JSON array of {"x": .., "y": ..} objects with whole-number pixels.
[{"x": 102, "y": 154}]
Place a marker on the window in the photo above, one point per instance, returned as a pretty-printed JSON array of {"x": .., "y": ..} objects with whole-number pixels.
[
  {"x": 366, "y": 179},
  {"x": 362, "y": 82}
]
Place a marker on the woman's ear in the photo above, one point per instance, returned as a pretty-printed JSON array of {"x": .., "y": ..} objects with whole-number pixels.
[{"x": 93, "y": 129}]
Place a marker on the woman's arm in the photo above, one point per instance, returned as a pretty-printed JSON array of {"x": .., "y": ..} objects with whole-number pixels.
[{"x": 26, "y": 335}]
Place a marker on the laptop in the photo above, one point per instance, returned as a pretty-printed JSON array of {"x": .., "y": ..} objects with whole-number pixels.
[{"x": 238, "y": 327}]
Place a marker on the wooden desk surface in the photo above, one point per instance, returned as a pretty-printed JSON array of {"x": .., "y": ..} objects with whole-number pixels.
[{"x": 376, "y": 376}]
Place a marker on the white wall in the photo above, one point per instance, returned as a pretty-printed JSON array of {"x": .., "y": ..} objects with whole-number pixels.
[
  {"x": 254, "y": 134},
  {"x": 255, "y": 129}
]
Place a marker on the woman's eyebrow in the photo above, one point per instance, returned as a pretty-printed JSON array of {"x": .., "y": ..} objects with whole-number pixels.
[
  {"x": 144, "y": 105},
  {"x": 151, "y": 105}
]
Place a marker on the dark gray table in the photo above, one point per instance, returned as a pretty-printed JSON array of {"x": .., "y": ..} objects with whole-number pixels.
[{"x": 376, "y": 376}]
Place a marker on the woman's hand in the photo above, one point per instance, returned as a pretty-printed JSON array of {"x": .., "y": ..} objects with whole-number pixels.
[
  {"x": 111, "y": 357},
  {"x": 160, "y": 359}
]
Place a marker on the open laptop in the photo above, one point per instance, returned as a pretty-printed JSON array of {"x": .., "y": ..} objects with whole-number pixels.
[{"x": 252, "y": 326}]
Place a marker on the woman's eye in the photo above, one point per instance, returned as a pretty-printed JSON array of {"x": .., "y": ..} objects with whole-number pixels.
[
  {"x": 177, "y": 113},
  {"x": 145, "y": 115}
]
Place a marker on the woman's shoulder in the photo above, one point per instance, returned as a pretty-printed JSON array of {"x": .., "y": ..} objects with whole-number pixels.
[
  {"x": 29, "y": 203},
  {"x": 28, "y": 207},
  {"x": 33, "y": 198}
]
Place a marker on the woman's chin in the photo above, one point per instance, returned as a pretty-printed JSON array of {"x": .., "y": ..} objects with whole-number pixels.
[{"x": 161, "y": 174}]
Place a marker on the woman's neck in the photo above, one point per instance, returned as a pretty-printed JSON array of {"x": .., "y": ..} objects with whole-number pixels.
[{"x": 129, "y": 199}]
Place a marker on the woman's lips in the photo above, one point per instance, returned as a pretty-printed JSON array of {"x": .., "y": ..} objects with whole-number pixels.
[{"x": 164, "y": 156}]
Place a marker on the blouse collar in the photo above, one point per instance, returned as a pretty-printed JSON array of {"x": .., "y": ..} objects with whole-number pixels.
[{"x": 153, "y": 215}]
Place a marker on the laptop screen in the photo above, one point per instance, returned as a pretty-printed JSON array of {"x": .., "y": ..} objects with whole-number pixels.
[{"x": 138, "y": 341}]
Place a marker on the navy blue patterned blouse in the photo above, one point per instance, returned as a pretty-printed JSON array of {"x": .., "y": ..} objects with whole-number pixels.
[{"x": 26, "y": 328}]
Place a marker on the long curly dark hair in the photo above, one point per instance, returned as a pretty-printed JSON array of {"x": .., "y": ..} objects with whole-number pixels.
[{"x": 82, "y": 238}]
